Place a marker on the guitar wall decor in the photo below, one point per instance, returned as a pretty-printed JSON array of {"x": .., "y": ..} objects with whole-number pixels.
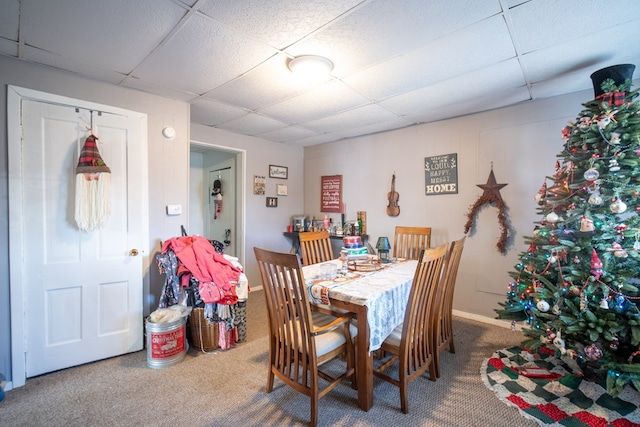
[{"x": 392, "y": 208}]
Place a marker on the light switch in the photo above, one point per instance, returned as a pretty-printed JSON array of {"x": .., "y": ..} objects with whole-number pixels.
[{"x": 174, "y": 209}]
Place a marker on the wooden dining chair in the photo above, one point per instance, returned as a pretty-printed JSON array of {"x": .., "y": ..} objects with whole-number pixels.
[
  {"x": 411, "y": 344},
  {"x": 444, "y": 301},
  {"x": 315, "y": 247},
  {"x": 409, "y": 241},
  {"x": 300, "y": 341}
]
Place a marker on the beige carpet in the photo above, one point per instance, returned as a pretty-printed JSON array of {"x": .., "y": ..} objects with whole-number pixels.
[{"x": 227, "y": 389}]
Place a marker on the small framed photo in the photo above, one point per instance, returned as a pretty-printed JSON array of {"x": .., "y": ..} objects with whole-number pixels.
[
  {"x": 281, "y": 189},
  {"x": 259, "y": 185},
  {"x": 280, "y": 172},
  {"x": 272, "y": 202}
]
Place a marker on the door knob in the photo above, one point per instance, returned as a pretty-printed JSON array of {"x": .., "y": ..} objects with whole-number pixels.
[{"x": 133, "y": 252}]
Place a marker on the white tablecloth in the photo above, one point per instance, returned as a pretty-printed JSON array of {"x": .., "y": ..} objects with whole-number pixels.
[{"x": 385, "y": 293}]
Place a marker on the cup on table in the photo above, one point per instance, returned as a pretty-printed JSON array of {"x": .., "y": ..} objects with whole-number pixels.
[{"x": 328, "y": 271}]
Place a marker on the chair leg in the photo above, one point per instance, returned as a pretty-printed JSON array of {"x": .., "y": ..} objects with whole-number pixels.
[
  {"x": 270, "y": 378},
  {"x": 404, "y": 400},
  {"x": 314, "y": 408}
]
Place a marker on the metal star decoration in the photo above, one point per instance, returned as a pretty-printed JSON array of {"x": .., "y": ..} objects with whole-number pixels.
[
  {"x": 492, "y": 187},
  {"x": 490, "y": 196}
]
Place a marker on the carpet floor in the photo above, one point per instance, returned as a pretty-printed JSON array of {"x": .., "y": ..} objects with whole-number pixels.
[{"x": 227, "y": 388}]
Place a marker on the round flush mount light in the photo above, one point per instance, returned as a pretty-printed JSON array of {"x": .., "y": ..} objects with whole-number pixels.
[{"x": 310, "y": 67}]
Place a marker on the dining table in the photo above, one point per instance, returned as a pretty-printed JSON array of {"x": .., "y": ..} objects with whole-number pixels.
[{"x": 377, "y": 298}]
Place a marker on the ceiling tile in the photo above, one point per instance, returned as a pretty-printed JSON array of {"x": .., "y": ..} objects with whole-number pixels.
[
  {"x": 114, "y": 35},
  {"x": 74, "y": 64},
  {"x": 543, "y": 23},
  {"x": 469, "y": 49},
  {"x": 252, "y": 124},
  {"x": 322, "y": 101},
  {"x": 9, "y": 19},
  {"x": 277, "y": 23},
  {"x": 357, "y": 40},
  {"x": 265, "y": 85},
  {"x": 474, "y": 86},
  {"x": 210, "y": 112},
  {"x": 356, "y": 117},
  {"x": 202, "y": 55},
  {"x": 290, "y": 133}
]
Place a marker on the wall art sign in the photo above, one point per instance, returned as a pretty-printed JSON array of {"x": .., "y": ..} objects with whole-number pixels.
[
  {"x": 331, "y": 193},
  {"x": 441, "y": 174},
  {"x": 280, "y": 172},
  {"x": 281, "y": 189},
  {"x": 259, "y": 185}
]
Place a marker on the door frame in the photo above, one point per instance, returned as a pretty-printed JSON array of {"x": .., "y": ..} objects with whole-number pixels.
[
  {"x": 18, "y": 297},
  {"x": 241, "y": 167}
]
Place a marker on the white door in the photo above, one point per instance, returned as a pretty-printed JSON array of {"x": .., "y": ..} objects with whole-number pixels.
[
  {"x": 82, "y": 291},
  {"x": 222, "y": 213}
]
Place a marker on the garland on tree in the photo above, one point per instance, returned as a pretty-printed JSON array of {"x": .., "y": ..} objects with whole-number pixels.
[{"x": 491, "y": 196}]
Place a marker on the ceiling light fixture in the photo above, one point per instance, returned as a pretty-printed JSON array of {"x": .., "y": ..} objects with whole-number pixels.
[{"x": 310, "y": 67}]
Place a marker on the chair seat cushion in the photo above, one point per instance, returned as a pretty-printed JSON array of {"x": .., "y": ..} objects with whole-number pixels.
[
  {"x": 395, "y": 336},
  {"x": 329, "y": 341}
]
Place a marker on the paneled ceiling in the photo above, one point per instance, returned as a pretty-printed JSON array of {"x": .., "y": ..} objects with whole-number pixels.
[{"x": 397, "y": 63}]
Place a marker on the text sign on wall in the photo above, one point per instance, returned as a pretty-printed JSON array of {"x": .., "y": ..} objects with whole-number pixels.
[
  {"x": 441, "y": 174},
  {"x": 331, "y": 193}
]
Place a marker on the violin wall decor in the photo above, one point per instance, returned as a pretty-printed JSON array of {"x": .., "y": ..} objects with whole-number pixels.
[{"x": 393, "y": 209}]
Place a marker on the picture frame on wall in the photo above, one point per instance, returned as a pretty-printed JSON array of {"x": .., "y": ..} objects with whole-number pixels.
[
  {"x": 281, "y": 189},
  {"x": 259, "y": 185},
  {"x": 279, "y": 172},
  {"x": 272, "y": 202}
]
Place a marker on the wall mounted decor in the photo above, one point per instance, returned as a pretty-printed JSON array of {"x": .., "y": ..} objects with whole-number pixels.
[
  {"x": 272, "y": 202},
  {"x": 331, "y": 193},
  {"x": 280, "y": 172},
  {"x": 259, "y": 185},
  {"x": 441, "y": 174},
  {"x": 281, "y": 189},
  {"x": 491, "y": 195}
]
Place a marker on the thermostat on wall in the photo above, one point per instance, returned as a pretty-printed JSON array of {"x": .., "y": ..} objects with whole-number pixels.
[{"x": 174, "y": 209}]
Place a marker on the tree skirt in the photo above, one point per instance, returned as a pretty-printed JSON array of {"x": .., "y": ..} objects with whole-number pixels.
[{"x": 556, "y": 397}]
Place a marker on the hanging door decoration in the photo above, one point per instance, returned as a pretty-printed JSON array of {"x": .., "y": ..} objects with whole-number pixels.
[
  {"x": 93, "y": 188},
  {"x": 216, "y": 193}
]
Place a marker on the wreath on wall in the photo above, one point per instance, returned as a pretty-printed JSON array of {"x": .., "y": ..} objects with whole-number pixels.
[{"x": 491, "y": 196}]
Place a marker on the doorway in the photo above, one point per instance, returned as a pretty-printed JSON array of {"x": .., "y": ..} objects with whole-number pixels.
[{"x": 218, "y": 213}]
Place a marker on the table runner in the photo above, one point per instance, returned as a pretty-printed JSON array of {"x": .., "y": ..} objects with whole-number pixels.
[{"x": 385, "y": 293}]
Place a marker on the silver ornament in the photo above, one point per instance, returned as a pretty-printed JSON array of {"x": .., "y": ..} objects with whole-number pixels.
[{"x": 591, "y": 174}]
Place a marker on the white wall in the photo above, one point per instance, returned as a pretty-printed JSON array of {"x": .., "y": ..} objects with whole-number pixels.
[
  {"x": 196, "y": 194},
  {"x": 263, "y": 226},
  {"x": 521, "y": 142}
]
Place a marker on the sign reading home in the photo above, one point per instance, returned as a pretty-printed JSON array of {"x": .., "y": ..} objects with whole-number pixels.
[{"x": 441, "y": 174}]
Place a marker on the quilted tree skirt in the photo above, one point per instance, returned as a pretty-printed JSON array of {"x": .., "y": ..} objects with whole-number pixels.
[{"x": 545, "y": 391}]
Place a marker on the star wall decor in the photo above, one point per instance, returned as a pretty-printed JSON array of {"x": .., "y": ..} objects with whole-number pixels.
[{"x": 492, "y": 196}]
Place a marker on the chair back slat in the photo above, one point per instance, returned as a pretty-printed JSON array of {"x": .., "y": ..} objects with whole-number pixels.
[
  {"x": 443, "y": 319},
  {"x": 408, "y": 242},
  {"x": 297, "y": 346},
  {"x": 417, "y": 341},
  {"x": 315, "y": 247}
]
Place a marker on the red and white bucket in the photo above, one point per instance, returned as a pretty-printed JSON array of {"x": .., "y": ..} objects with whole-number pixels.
[{"x": 166, "y": 343}]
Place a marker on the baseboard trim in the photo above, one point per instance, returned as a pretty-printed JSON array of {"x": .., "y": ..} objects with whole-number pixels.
[{"x": 483, "y": 319}]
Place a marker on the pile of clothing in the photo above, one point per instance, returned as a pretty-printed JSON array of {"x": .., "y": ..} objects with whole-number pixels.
[{"x": 199, "y": 274}]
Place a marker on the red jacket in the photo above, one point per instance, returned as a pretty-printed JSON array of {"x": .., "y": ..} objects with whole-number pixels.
[{"x": 217, "y": 277}]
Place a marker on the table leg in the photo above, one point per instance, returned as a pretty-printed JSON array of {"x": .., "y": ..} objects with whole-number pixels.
[{"x": 364, "y": 357}]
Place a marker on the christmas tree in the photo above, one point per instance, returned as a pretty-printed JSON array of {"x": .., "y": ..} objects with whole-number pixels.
[{"x": 577, "y": 286}]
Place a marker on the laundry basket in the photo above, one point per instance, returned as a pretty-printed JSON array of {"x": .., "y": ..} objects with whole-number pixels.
[{"x": 204, "y": 335}]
